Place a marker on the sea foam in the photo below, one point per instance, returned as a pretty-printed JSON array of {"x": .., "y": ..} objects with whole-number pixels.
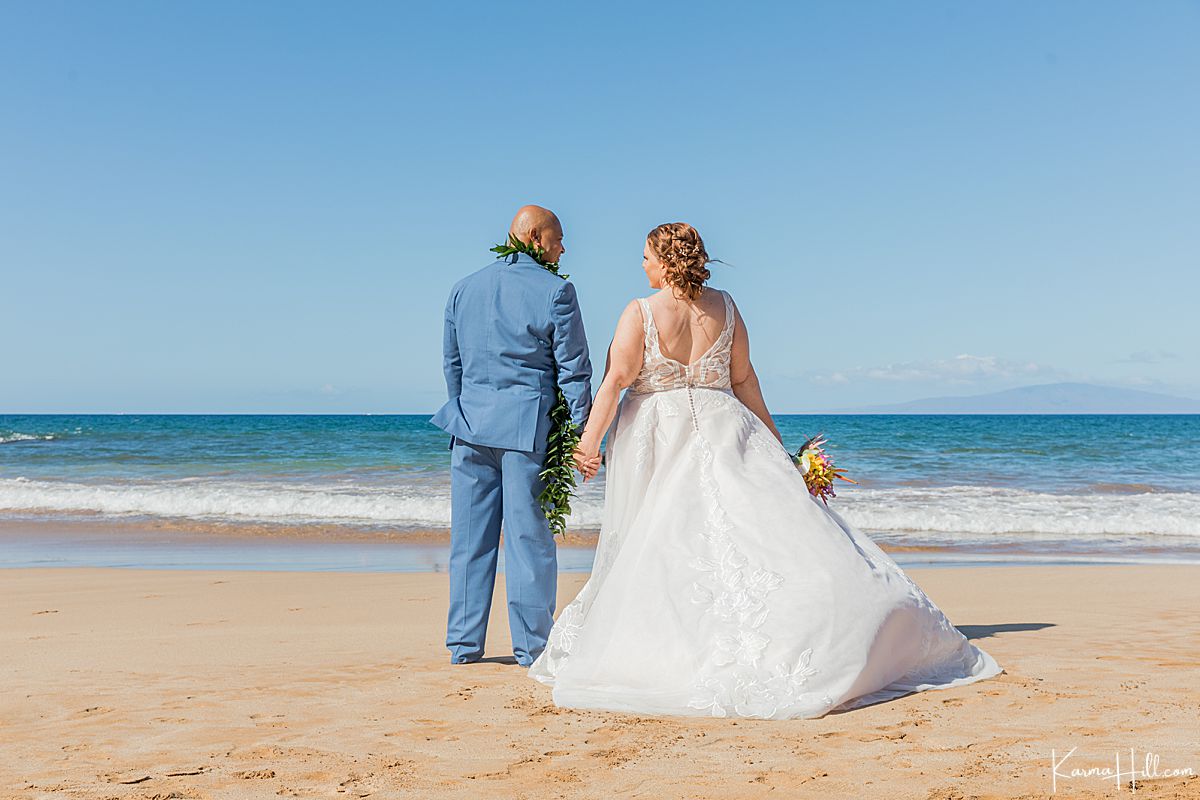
[
  {"x": 979, "y": 512},
  {"x": 991, "y": 510},
  {"x": 6, "y": 438}
]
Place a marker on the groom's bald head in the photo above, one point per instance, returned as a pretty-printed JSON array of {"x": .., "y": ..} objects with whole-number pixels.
[{"x": 540, "y": 227}]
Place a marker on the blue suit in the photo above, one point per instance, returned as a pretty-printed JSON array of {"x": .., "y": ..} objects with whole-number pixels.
[{"x": 513, "y": 332}]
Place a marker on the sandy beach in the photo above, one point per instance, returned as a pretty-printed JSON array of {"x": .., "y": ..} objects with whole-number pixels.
[{"x": 189, "y": 684}]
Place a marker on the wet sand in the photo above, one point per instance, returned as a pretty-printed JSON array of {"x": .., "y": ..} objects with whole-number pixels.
[
  {"x": 193, "y": 544},
  {"x": 126, "y": 683}
]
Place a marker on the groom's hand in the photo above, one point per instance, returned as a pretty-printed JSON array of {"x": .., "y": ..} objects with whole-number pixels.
[{"x": 587, "y": 464}]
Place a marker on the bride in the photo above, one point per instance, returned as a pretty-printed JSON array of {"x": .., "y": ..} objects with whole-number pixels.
[{"x": 720, "y": 586}]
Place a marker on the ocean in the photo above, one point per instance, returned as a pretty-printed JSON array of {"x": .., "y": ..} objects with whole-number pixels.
[{"x": 1125, "y": 487}]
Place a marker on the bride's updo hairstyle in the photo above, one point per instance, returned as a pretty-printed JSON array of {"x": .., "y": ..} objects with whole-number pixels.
[{"x": 681, "y": 250}]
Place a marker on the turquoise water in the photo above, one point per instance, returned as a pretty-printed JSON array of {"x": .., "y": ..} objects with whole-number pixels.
[{"x": 1087, "y": 481}]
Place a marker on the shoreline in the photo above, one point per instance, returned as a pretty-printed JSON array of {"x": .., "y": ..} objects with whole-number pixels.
[
  {"x": 251, "y": 531},
  {"x": 46, "y": 542}
]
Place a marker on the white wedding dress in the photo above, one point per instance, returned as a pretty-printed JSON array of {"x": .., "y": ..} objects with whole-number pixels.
[{"x": 721, "y": 586}]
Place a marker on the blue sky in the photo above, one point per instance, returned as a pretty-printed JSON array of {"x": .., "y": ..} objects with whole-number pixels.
[{"x": 215, "y": 206}]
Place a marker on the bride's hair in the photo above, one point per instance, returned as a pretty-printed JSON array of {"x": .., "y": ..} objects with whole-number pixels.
[{"x": 681, "y": 250}]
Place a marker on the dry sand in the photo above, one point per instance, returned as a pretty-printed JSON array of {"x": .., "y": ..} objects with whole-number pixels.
[{"x": 176, "y": 684}]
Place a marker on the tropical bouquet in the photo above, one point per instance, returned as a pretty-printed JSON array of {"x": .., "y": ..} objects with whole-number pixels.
[
  {"x": 818, "y": 469},
  {"x": 558, "y": 470}
]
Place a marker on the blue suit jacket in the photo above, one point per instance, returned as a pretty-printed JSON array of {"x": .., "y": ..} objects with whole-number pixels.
[{"x": 511, "y": 329}]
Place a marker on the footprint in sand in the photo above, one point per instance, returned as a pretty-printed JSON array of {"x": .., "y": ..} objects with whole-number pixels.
[
  {"x": 617, "y": 755},
  {"x": 96, "y": 710},
  {"x": 358, "y": 785},
  {"x": 893, "y": 736},
  {"x": 125, "y": 778}
]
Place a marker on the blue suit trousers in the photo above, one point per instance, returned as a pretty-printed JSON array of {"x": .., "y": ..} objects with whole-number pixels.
[{"x": 490, "y": 485}]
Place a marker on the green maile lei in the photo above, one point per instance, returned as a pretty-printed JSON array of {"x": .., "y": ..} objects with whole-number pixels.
[{"x": 558, "y": 470}]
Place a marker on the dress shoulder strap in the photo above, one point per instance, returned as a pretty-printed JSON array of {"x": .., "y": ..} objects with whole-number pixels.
[
  {"x": 647, "y": 317},
  {"x": 728, "y": 327}
]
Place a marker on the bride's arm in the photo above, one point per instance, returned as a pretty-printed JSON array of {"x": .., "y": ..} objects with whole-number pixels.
[
  {"x": 743, "y": 378},
  {"x": 624, "y": 364}
]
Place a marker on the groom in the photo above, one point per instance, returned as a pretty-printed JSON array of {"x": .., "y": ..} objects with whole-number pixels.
[{"x": 513, "y": 332}]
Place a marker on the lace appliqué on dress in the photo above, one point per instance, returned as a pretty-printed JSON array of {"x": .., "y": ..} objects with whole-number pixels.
[
  {"x": 649, "y": 430},
  {"x": 735, "y": 593},
  {"x": 563, "y": 635},
  {"x": 661, "y": 374},
  {"x": 762, "y": 698},
  {"x": 760, "y": 442}
]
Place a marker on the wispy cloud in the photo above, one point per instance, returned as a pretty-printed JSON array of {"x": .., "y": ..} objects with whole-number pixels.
[
  {"x": 1148, "y": 357},
  {"x": 963, "y": 370}
]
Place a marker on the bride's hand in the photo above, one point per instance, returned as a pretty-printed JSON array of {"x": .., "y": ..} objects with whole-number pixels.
[{"x": 588, "y": 463}]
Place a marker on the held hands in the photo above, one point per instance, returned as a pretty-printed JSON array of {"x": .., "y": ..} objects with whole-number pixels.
[{"x": 587, "y": 461}]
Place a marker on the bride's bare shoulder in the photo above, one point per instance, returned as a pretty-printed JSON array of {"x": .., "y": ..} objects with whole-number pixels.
[
  {"x": 714, "y": 301},
  {"x": 626, "y": 347},
  {"x": 631, "y": 318}
]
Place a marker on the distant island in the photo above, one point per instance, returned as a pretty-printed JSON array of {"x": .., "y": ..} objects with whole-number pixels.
[{"x": 1048, "y": 398}]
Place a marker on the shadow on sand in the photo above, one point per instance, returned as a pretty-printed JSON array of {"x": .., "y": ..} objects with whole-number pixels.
[
  {"x": 497, "y": 660},
  {"x": 984, "y": 631}
]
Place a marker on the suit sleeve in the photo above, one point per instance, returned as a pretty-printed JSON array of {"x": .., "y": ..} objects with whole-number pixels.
[
  {"x": 451, "y": 358},
  {"x": 571, "y": 353}
]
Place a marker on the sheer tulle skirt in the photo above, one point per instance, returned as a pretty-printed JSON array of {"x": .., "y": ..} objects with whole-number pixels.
[{"x": 721, "y": 587}]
